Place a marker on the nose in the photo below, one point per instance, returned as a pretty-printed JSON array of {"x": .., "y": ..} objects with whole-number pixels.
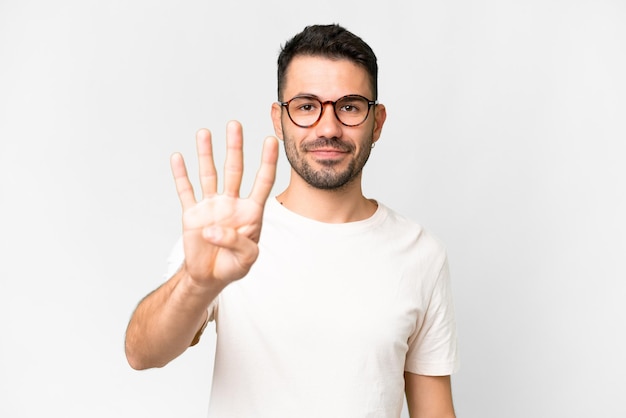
[{"x": 328, "y": 126}]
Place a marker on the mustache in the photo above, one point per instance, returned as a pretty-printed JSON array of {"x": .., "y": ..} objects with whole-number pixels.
[{"x": 326, "y": 143}]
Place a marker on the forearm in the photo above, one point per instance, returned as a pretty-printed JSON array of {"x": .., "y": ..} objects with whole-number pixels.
[{"x": 165, "y": 322}]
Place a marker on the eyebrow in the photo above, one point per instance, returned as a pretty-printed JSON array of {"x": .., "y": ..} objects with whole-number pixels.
[{"x": 315, "y": 96}]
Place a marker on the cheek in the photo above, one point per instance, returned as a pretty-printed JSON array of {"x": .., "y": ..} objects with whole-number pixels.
[{"x": 295, "y": 135}]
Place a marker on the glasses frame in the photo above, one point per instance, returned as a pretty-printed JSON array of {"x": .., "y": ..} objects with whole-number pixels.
[{"x": 370, "y": 103}]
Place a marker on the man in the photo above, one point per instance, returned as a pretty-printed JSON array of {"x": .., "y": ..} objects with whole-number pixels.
[{"x": 327, "y": 304}]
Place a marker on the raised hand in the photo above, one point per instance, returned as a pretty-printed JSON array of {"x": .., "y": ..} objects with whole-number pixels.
[{"x": 221, "y": 231}]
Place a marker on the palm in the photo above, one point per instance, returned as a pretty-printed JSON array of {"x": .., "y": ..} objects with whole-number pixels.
[
  {"x": 205, "y": 259},
  {"x": 221, "y": 231}
]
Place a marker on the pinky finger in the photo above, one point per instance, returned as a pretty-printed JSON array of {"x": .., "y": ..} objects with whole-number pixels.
[{"x": 181, "y": 180}]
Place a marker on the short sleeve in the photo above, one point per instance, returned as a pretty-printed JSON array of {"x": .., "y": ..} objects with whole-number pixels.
[{"x": 433, "y": 349}]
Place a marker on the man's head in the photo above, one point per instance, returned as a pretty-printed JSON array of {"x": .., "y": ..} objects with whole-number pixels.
[
  {"x": 327, "y": 114},
  {"x": 328, "y": 41}
]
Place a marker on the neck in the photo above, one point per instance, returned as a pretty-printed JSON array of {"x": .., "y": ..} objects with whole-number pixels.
[{"x": 346, "y": 204}]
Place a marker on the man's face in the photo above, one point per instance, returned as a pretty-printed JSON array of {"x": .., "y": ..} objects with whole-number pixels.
[{"x": 328, "y": 155}]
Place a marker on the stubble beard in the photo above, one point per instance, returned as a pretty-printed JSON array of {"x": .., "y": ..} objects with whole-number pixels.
[{"x": 329, "y": 176}]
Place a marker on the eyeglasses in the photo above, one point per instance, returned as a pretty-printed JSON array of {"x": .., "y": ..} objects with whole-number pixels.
[{"x": 306, "y": 111}]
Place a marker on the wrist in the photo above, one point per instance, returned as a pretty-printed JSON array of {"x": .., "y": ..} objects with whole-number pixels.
[{"x": 191, "y": 285}]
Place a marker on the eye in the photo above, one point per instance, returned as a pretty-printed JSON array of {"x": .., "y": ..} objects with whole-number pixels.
[
  {"x": 304, "y": 105},
  {"x": 350, "y": 108},
  {"x": 352, "y": 105}
]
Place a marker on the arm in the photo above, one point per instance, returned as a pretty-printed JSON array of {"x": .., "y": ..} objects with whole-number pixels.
[
  {"x": 220, "y": 236},
  {"x": 165, "y": 321},
  {"x": 428, "y": 396}
]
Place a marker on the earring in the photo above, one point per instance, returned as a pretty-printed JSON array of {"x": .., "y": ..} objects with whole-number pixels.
[{"x": 373, "y": 145}]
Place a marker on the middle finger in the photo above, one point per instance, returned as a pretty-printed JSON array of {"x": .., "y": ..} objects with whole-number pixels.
[{"x": 233, "y": 168}]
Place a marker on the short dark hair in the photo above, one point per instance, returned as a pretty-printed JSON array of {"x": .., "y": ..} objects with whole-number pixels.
[{"x": 329, "y": 41}]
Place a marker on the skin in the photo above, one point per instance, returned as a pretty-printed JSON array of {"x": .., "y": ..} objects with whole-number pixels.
[
  {"x": 221, "y": 231},
  {"x": 346, "y": 148},
  {"x": 428, "y": 396},
  {"x": 220, "y": 236}
]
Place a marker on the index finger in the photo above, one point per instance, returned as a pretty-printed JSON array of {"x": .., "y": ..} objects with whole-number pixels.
[{"x": 267, "y": 172}]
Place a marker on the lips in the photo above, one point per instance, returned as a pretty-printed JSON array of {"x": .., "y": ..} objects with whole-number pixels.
[
  {"x": 327, "y": 146},
  {"x": 328, "y": 154},
  {"x": 327, "y": 151}
]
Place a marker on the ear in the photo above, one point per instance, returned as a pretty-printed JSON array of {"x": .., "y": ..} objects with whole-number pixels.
[
  {"x": 277, "y": 111},
  {"x": 380, "y": 115}
]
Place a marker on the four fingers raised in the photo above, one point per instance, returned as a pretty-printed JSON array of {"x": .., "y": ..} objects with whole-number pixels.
[
  {"x": 233, "y": 168},
  {"x": 226, "y": 236}
]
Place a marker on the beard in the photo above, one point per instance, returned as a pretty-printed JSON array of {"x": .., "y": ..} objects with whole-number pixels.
[{"x": 331, "y": 175}]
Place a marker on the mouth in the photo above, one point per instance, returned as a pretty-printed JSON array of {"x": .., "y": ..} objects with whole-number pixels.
[
  {"x": 327, "y": 155},
  {"x": 325, "y": 147}
]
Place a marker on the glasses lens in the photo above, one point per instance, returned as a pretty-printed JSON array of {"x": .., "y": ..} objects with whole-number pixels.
[
  {"x": 304, "y": 111},
  {"x": 352, "y": 110}
]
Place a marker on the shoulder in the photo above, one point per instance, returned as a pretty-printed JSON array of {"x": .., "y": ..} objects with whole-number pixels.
[{"x": 403, "y": 226}]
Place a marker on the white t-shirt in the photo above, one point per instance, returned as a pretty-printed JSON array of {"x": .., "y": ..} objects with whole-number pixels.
[{"x": 329, "y": 318}]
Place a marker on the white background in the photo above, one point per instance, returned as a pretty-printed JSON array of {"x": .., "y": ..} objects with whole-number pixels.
[{"x": 505, "y": 137}]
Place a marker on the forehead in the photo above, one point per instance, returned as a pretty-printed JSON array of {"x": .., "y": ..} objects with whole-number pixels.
[{"x": 325, "y": 78}]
